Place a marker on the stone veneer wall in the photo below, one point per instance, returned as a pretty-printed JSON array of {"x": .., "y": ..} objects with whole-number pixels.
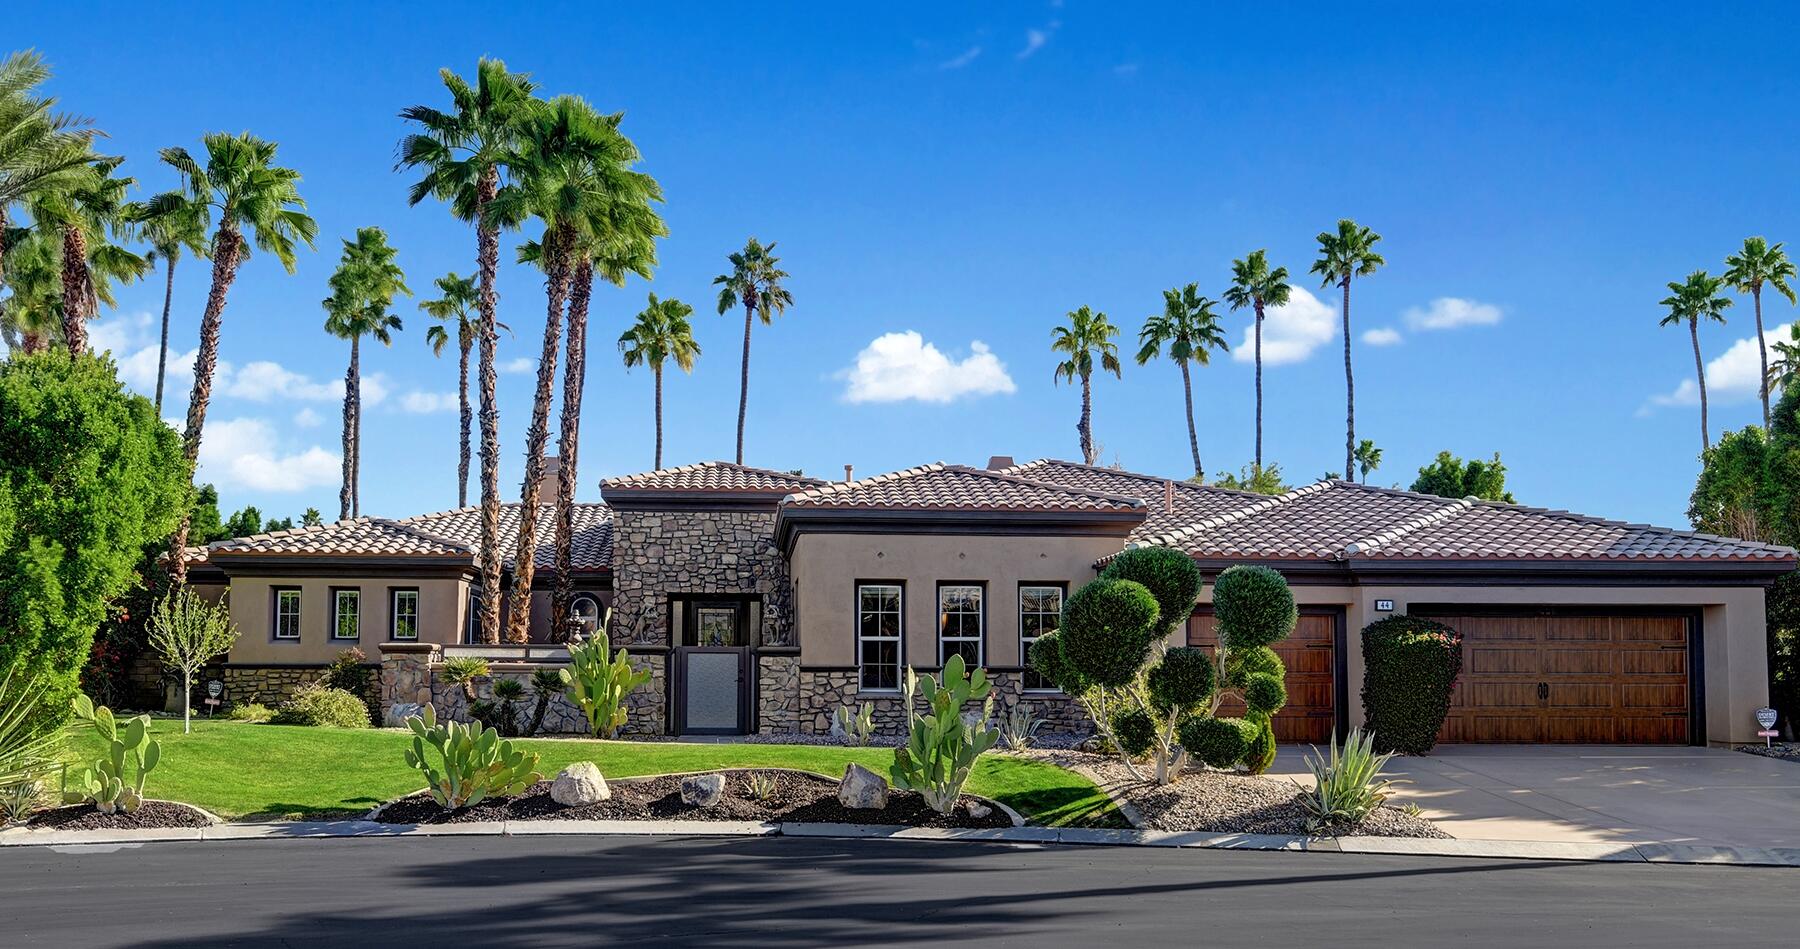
[
  {"x": 778, "y": 694},
  {"x": 822, "y": 691},
  {"x": 409, "y": 675},
  {"x": 659, "y": 553}
]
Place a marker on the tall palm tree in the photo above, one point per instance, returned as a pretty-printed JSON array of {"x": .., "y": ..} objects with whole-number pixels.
[
  {"x": 31, "y": 313},
  {"x": 465, "y": 153},
  {"x": 1368, "y": 458},
  {"x": 455, "y": 309},
  {"x": 1190, "y": 328},
  {"x": 1255, "y": 285},
  {"x": 37, "y": 143},
  {"x": 1348, "y": 253},
  {"x": 1747, "y": 271},
  {"x": 87, "y": 210},
  {"x": 1699, "y": 298},
  {"x": 240, "y": 187},
  {"x": 1785, "y": 369},
  {"x": 662, "y": 332},
  {"x": 754, "y": 283},
  {"x": 1088, "y": 335},
  {"x": 179, "y": 224},
  {"x": 362, "y": 290}
]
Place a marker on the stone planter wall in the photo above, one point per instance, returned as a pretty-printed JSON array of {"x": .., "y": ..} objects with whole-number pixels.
[
  {"x": 822, "y": 691},
  {"x": 778, "y": 695},
  {"x": 410, "y": 674}
]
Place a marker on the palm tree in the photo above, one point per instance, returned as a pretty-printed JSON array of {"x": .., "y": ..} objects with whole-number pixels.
[
  {"x": 464, "y": 153},
  {"x": 1190, "y": 328},
  {"x": 1746, "y": 272},
  {"x": 662, "y": 332},
  {"x": 241, "y": 184},
  {"x": 1690, "y": 302},
  {"x": 1087, "y": 335},
  {"x": 86, "y": 208},
  {"x": 754, "y": 283},
  {"x": 1368, "y": 458},
  {"x": 1256, "y": 286},
  {"x": 179, "y": 224},
  {"x": 31, "y": 314},
  {"x": 37, "y": 143},
  {"x": 455, "y": 308},
  {"x": 1786, "y": 368},
  {"x": 362, "y": 290},
  {"x": 1348, "y": 253}
]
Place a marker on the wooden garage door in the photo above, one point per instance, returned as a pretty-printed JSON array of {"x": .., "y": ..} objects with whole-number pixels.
[
  {"x": 1567, "y": 678},
  {"x": 1311, "y": 658}
]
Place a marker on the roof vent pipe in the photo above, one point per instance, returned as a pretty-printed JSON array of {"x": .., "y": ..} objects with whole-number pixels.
[
  {"x": 1168, "y": 494},
  {"x": 848, "y": 470}
]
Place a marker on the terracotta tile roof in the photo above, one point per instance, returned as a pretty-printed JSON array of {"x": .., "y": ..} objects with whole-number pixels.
[
  {"x": 941, "y": 487},
  {"x": 451, "y": 535},
  {"x": 712, "y": 476},
  {"x": 1192, "y": 502}
]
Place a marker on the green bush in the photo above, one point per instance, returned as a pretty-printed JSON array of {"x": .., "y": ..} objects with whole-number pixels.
[
  {"x": 250, "y": 712},
  {"x": 1182, "y": 680},
  {"x": 314, "y": 704},
  {"x": 1259, "y": 754},
  {"x": 1254, "y": 607},
  {"x": 349, "y": 671},
  {"x": 1107, "y": 629},
  {"x": 1134, "y": 731},
  {"x": 1264, "y": 694},
  {"x": 1169, "y": 575},
  {"x": 1410, "y": 666},
  {"x": 1046, "y": 656},
  {"x": 1219, "y": 742},
  {"x": 1244, "y": 663}
]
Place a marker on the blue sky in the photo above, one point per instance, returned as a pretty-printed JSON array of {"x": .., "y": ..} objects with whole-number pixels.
[{"x": 970, "y": 175}]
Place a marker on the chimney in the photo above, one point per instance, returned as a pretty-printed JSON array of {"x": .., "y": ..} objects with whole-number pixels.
[
  {"x": 997, "y": 462},
  {"x": 849, "y": 471},
  {"x": 1168, "y": 494},
  {"x": 549, "y": 480}
]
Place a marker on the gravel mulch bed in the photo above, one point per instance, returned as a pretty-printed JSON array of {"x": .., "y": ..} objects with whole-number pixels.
[
  {"x": 797, "y": 798},
  {"x": 1044, "y": 740},
  {"x": 1226, "y": 803},
  {"x": 1785, "y": 750},
  {"x": 153, "y": 814}
]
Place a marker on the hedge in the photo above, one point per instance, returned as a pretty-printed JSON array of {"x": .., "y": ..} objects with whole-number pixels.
[{"x": 1410, "y": 668}]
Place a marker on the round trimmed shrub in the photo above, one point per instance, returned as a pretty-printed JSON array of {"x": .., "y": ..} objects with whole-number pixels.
[
  {"x": 1107, "y": 629},
  {"x": 1254, "y": 607},
  {"x": 1046, "y": 656},
  {"x": 1219, "y": 742},
  {"x": 1183, "y": 679},
  {"x": 314, "y": 705},
  {"x": 1243, "y": 663},
  {"x": 1260, "y": 752},
  {"x": 1168, "y": 574},
  {"x": 1264, "y": 694},
  {"x": 1134, "y": 730},
  {"x": 1410, "y": 667}
]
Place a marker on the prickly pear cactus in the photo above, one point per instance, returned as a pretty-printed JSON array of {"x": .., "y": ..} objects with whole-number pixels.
[
  {"x": 114, "y": 781},
  {"x": 941, "y": 747},
  {"x": 473, "y": 762}
]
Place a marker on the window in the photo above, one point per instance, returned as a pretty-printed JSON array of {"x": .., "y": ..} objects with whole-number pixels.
[
  {"x": 584, "y": 614},
  {"x": 878, "y": 632},
  {"x": 346, "y": 614},
  {"x": 1040, "y": 612},
  {"x": 472, "y": 623},
  {"x": 287, "y": 613},
  {"x": 960, "y": 623},
  {"x": 406, "y": 615}
]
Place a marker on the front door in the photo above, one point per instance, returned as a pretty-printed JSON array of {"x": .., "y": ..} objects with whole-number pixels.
[{"x": 711, "y": 671}]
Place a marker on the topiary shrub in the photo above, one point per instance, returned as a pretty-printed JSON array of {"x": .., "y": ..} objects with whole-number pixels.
[
  {"x": 1107, "y": 628},
  {"x": 317, "y": 705},
  {"x": 1244, "y": 663},
  {"x": 1264, "y": 694},
  {"x": 1183, "y": 679},
  {"x": 1169, "y": 575},
  {"x": 1219, "y": 742},
  {"x": 1410, "y": 667},
  {"x": 1254, "y": 607},
  {"x": 1134, "y": 731},
  {"x": 1260, "y": 753}
]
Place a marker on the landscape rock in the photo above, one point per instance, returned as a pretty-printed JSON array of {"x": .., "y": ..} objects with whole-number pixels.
[
  {"x": 579, "y": 785},
  {"x": 978, "y": 810},
  {"x": 398, "y": 713},
  {"x": 862, "y": 789},
  {"x": 702, "y": 790}
]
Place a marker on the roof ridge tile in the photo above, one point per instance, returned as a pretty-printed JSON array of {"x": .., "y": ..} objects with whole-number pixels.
[
  {"x": 1231, "y": 517},
  {"x": 1428, "y": 519}
]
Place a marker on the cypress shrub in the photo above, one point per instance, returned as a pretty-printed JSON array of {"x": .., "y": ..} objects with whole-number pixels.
[
  {"x": 1168, "y": 574},
  {"x": 1182, "y": 680},
  {"x": 1410, "y": 667},
  {"x": 1107, "y": 629},
  {"x": 1254, "y": 607}
]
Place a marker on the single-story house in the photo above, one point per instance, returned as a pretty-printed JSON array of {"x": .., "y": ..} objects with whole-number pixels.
[{"x": 764, "y": 600}]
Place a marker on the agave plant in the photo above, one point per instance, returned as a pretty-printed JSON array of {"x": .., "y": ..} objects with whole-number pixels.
[{"x": 1347, "y": 784}]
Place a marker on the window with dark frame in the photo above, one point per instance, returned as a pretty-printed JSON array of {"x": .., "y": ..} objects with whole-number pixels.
[
  {"x": 1040, "y": 612},
  {"x": 960, "y": 622},
  {"x": 287, "y": 613},
  {"x": 405, "y": 624},
  {"x": 346, "y": 614},
  {"x": 879, "y": 630}
]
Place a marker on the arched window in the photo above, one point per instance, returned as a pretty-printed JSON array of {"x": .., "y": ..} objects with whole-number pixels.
[{"x": 584, "y": 613}]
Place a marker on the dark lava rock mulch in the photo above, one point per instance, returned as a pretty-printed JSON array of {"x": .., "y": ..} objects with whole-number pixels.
[
  {"x": 1785, "y": 750},
  {"x": 153, "y": 814},
  {"x": 797, "y": 798}
]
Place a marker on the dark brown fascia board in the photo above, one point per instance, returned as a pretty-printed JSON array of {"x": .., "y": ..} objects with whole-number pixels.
[
  {"x": 265, "y": 565},
  {"x": 792, "y": 522},
  {"x": 1516, "y": 572},
  {"x": 626, "y": 499}
]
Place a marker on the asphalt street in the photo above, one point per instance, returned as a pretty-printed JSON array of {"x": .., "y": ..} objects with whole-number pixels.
[{"x": 779, "y": 892}]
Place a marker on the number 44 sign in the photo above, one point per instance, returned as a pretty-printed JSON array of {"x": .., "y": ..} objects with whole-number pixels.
[{"x": 1766, "y": 718}]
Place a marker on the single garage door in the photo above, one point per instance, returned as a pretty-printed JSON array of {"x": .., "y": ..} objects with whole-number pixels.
[
  {"x": 1558, "y": 677},
  {"x": 1311, "y": 658}
]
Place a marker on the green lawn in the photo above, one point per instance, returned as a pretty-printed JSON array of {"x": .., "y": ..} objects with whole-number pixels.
[{"x": 273, "y": 772}]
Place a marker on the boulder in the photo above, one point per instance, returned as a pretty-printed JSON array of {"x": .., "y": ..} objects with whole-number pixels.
[
  {"x": 862, "y": 789},
  {"x": 977, "y": 810},
  {"x": 702, "y": 790},
  {"x": 579, "y": 784},
  {"x": 399, "y": 712}
]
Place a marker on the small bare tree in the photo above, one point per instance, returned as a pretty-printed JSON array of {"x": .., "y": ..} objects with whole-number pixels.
[{"x": 189, "y": 632}]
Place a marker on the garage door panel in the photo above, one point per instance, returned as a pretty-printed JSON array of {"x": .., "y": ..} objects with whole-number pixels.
[
  {"x": 1503, "y": 628},
  {"x": 1656, "y": 731},
  {"x": 1483, "y": 660},
  {"x": 1654, "y": 662},
  {"x": 1580, "y": 695},
  {"x": 1502, "y": 695},
  {"x": 1584, "y": 729},
  {"x": 1307, "y": 661},
  {"x": 1670, "y": 697},
  {"x": 1580, "y": 662},
  {"x": 1577, "y": 629},
  {"x": 1651, "y": 629}
]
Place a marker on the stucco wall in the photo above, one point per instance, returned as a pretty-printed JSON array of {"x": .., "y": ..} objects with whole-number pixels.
[{"x": 442, "y": 603}]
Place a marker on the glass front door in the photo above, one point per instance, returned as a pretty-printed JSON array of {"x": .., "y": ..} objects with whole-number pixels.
[{"x": 710, "y": 666}]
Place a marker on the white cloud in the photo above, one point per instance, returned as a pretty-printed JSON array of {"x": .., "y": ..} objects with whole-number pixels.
[
  {"x": 374, "y": 389},
  {"x": 1446, "y": 313},
  {"x": 1290, "y": 333},
  {"x": 523, "y": 364},
  {"x": 267, "y": 381},
  {"x": 1730, "y": 377},
  {"x": 962, "y": 59},
  {"x": 1381, "y": 336},
  {"x": 307, "y": 418},
  {"x": 1035, "y": 39},
  {"x": 901, "y": 366},
  {"x": 246, "y": 453},
  {"x": 133, "y": 341},
  {"x": 422, "y": 403}
]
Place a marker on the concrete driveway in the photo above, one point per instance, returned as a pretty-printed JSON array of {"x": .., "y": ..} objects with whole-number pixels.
[{"x": 1599, "y": 793}]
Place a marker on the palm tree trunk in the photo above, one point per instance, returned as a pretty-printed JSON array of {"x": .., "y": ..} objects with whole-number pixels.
[
  {"x": 744, "y": 377},
  {"x": 568, "y": 446},
  {"x": 162, "y": 352},
  {"x": 74, "y": 289},
  {"x": 1259, "y": 319},
  {"x": 462, "y": 398},
  {"x": 345, "y": 508},
  {"x": 1187, "y": 392},
  {"x": 658, "y": 371},
  {"x": 556, "y": 283},
  {"x": 1762, "y": 353},
  {"x": 1349, "y": 390},
  {"x": 1086, "y": 426},
  {"x": 1700, "y": 372},
  {"x": 487, "y": 239},
  {"x": 224, "y": 270}
]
